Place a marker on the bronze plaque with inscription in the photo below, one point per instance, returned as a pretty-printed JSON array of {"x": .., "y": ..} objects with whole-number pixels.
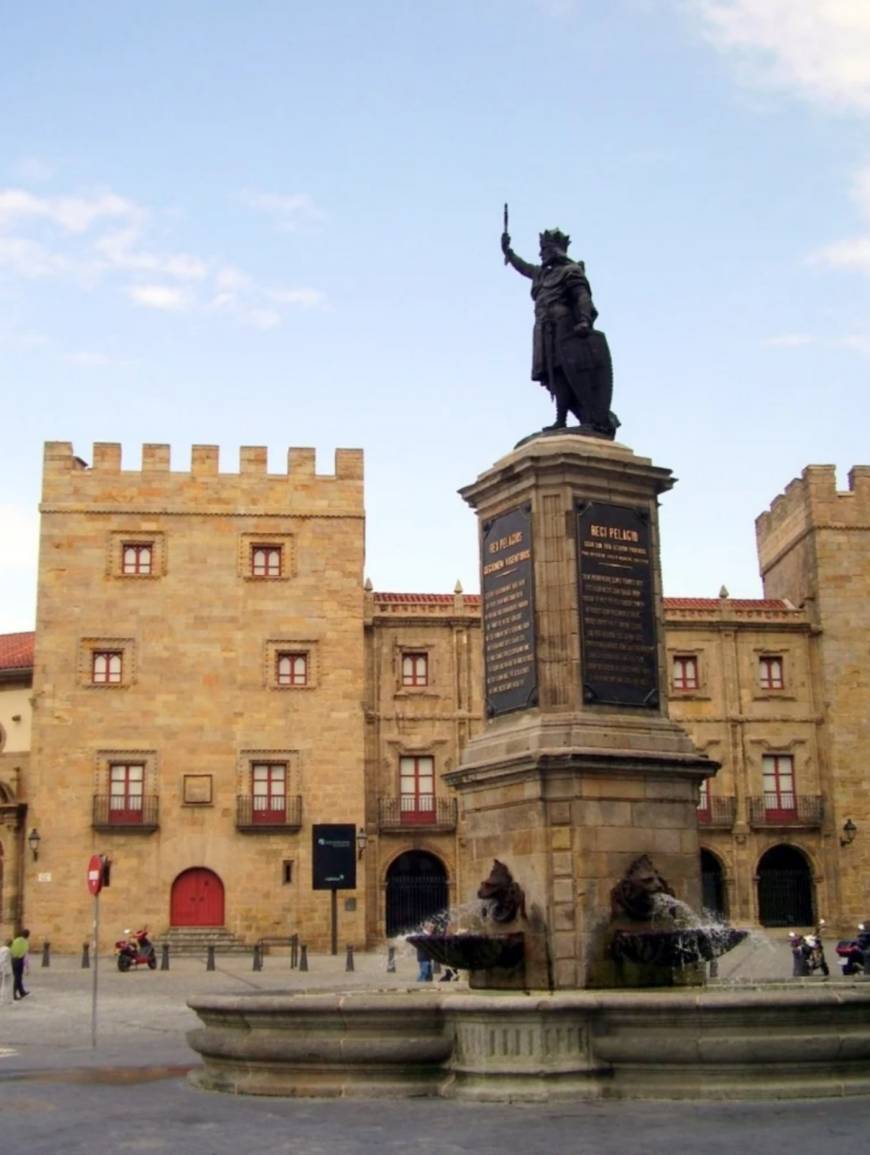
[
  {"x": 617, "y": 615},
  {"x": 509, "y": 613}
]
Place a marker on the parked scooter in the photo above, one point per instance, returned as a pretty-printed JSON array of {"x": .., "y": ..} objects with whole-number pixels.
[
  {"x": 853, "y": 952},
  {"x": 808, "y": 953},
  {"x": 136, "y": 950}
]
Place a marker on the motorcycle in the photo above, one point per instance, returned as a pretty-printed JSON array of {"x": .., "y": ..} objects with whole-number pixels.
[
  {"x": 136, "y": 950},
  {"x": 808, "y": 953},
  {"x": 852, "y": 952}
]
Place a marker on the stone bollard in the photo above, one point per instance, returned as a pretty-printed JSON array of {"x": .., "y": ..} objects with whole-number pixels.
[
  {"x": 391, "y": 960},
  {"x": 294, "y": 951},
  {"x": 303, "y": 957},
  {"x": 86, "y": 955},
  {"x": 714, "y": 968},
  {"x": 348, "y": 964},
  {"x": 46, "y": 954},
  {"x": 209, "y": 959},
  {"x": 164, "y": 957},
  {"x": 258, "y": 957}
]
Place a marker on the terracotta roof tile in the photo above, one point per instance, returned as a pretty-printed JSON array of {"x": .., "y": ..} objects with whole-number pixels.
[
  {"x": 16, "y": 651},
  {"x": 424, "y": 599},
  {"x": 734, "y": 603}
]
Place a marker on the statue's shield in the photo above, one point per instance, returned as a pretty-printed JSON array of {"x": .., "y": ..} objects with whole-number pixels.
[{"x": 586, "y": 363}]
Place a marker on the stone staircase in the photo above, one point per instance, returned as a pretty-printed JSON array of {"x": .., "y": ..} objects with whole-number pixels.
[{"x": 195, "y": 940}]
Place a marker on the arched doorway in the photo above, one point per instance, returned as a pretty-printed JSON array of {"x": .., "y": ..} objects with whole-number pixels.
[
  {"x": 416, "y": 889},
  {"x": 197, "y": 899},
  {"x": 714, "y": 898},
  {"x": 785, "y": 888}
]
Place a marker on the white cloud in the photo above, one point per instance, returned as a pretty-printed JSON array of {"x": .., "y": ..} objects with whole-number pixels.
[
  {"x": 231, "y": 280},
  {"x": 288, "y": 212},
  {"x": 789, "y": 340},
  {"x": 858, "y": 341},
  {"x": 88, "y": 360},
  {"x": 119, "y": 249},
  {"x": 73, "y": 214},
  {"x": 103, "y": 239},
  {"x": 849, "y": 254},
  {"x": 819, "y": 49},
  {"x": 30, "y": 259},
  {"x": 306, "y": 297},
  {"x": 166, "y": 297}
]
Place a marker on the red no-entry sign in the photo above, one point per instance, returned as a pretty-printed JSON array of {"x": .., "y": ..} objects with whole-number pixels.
[{"x": 95, "y": 874}]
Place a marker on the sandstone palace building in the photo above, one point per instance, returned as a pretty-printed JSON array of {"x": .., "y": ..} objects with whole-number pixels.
[{"x": 211, "y": 677}]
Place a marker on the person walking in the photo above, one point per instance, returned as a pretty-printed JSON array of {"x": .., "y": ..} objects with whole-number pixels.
[
  {"x": 6, "y": 973},
  {"x": 19, "y": 948}
]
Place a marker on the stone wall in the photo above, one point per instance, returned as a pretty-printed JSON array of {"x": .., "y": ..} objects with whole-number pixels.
[
  {"x": 198, "y": 700},
  {"x": 814, "y": 548}
]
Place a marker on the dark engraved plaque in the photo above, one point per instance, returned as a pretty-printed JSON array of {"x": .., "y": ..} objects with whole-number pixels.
[
  {"x": 509, "y": 613},
  {"x": 617, "y": 616}
]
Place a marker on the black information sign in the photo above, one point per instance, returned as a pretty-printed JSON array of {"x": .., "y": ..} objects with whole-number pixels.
[
  {"x": 334, "y": 856},
  {"x": 509, "y": 613},
  {"x": 617, "y": 617}
]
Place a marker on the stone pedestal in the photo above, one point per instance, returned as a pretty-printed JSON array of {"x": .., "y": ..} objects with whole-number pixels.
[{"x": 579, "y": 770}]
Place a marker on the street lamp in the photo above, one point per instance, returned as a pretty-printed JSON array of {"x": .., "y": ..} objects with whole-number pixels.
[
  {"x": 33, "y": 841},
  {"x": 362, "y": 839},
  {"x": 849, "y": 832}
]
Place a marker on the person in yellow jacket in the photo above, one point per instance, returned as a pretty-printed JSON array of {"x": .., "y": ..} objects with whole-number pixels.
[{"x": 18, "y": 950}]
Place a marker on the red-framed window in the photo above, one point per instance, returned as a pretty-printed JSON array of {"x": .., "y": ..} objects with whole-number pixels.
[
  {"x": 770, "y": 672},
  {"x": 266, "y": 560},
  {"x": 704, "y": 801},
  {"x": 415, "y": 669},
  {"x": 269, "y": 791},
  {"x": 417, "y": 789},
  {"x": 136, "y": 558},
  {"x": 107, "y": 667},
  {"x": 777, "y": 772},
  {"x": 291, "y": 668},
  {"x": 685, "y": 672},
  {"x": 126, "y": 781}
]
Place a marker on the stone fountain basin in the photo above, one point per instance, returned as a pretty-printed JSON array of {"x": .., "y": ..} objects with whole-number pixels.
[
  {"x": 472, "y": 952},
  {"x": 774, "y": 1041},
  {"x": 674, "y": 948}
]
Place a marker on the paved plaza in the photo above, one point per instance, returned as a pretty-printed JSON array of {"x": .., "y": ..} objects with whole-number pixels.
[{"x": 59, "y": 1093}]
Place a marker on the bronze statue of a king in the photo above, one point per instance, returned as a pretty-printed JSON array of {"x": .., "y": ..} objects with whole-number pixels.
[{"x": 570, "y": 357}]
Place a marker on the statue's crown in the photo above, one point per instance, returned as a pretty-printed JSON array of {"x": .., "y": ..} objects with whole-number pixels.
[{"x": 555, "y": 237}]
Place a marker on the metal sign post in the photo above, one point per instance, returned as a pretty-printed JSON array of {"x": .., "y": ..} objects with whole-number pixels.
[
  {"x": 334, "y": 865},
  {"x": 95, "y": 885}
]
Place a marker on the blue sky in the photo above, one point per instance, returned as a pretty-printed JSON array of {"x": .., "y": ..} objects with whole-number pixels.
[{"x": 278, "y": 224}]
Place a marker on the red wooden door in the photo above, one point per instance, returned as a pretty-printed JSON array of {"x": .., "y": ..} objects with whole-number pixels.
[{"x": 197, "y": 899}]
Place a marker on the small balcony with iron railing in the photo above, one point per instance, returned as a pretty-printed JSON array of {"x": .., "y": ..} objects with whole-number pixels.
[
  {"x": 139, "y": 814},
  {"x": 781, "y": 810},
  {"x": 416, "y": 812},
  {"x": 256, "y": 814},
  {"x": 718, "y": 812}
]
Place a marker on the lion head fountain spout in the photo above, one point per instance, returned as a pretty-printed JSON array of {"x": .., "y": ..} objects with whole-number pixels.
[
  {"x": 505, "y": 949},
  {"x": 657, "y": 934}
]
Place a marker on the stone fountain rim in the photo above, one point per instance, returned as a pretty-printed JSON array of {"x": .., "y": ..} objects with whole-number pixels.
[{"x": 757, "y": 995}]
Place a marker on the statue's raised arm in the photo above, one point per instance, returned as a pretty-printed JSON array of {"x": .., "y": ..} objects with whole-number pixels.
[{"x": 511, "y": 258}]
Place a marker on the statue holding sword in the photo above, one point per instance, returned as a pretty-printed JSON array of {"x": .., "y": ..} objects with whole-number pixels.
[{"x": 570, "y": 357}]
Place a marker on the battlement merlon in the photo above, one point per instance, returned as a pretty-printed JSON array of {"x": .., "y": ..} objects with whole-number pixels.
[
  {"x": 68, "y": 480},
  {"x": 812, "y": 502}
]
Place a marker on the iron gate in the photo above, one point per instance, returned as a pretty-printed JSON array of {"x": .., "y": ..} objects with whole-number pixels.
[
  {"x": 416, "y": 889},
  {"x": 785, "y": 898}
]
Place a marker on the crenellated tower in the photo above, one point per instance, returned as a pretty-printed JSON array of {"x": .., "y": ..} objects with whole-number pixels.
[
  {"x": 198, "y": 688},
  {"x": 814, "y": 549}
]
